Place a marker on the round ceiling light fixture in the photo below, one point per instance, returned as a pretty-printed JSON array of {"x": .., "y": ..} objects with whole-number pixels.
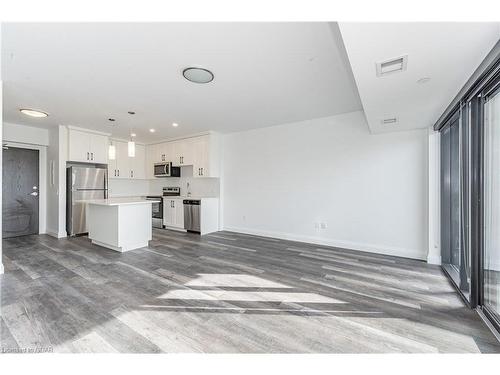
[
  {"x": 174, "y": 124},
  {"x": 33, "y": 112},
  {"x": 152, "y": 130},
  {"x": 198, "y": 75}
]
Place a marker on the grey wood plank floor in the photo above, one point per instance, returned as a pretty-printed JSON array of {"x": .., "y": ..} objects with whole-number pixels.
[{"x": 230, "y": 293}]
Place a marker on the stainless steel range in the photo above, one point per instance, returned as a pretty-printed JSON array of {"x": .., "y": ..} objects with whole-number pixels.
[{"x": 168, "y": 191}]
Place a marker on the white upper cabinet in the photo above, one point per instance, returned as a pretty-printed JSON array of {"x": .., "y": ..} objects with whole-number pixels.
[
  {"x": 126, "y": 167},
  {"x": 201, "y": 166},
  {"x": 87, "y": 147},
  {"x": 138, "y": 163},
  {"x": 182, "y": 152},
  {"x": 99, "y": 148},
  {"x": 206, "y": 161},
  {"x": 163, "y": 152},
  {"x": 200, "y": 152}
]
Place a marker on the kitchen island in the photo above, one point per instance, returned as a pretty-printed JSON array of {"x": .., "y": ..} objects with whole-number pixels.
[{"x": 120, "y": 224}]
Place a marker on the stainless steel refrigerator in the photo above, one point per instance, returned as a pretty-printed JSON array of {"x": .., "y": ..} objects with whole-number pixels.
[{"x": 82, "y": 184}]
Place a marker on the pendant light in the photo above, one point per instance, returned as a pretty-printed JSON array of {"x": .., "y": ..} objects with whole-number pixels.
[
  {"x": 131, "y": 148},
  {"x": 112, "y": 151},
  {"x": 131, "y": 143}
]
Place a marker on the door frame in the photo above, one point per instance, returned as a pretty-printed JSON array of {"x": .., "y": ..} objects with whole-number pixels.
[
  {"x": 492, "y": 88},
  {"x": 42, "y": 181}
]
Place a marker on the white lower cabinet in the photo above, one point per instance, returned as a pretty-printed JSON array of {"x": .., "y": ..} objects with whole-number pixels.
[{"x": 173, "y": 212}]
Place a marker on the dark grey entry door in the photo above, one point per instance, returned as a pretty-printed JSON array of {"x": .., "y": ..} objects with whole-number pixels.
[{"x": 20, "y": 192}]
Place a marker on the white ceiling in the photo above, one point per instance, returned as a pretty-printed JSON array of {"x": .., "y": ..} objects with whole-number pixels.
[
  {"x": 448, "y": 53},
  {"x": 265, "y": 74}
]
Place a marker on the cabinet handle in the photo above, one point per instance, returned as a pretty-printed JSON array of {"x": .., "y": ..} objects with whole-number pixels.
[
  {"x": 202, "y": 171},
  {"x": 118, "y": 173},
  {"x": 131, "y": 173},
  {"x": 115, "y": 172},
  {"x": 88, "y": 156},
  {"x": 91, "y": 156}
]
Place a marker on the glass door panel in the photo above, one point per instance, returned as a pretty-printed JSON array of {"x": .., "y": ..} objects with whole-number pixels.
[
  {"x": 491, "y": 256},
  {"x": 455, "y": 259}
]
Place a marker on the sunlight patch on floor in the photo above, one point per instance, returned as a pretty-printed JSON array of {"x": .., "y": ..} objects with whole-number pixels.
[
  {"x": 223, "y": 295},
  {"x": 233, "y": 280}
]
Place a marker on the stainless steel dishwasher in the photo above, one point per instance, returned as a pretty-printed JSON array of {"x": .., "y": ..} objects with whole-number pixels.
[{"x": 192, "y": 213}]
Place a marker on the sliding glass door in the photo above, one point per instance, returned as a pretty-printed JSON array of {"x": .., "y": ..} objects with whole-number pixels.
[
  {"x": 491, "y": 184},
  {"x": 454, "y": 208},
  {"x": 470, "y": 193}
]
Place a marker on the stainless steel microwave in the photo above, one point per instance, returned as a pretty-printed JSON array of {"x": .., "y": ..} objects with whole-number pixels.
[{"x": 165, "y": 169}]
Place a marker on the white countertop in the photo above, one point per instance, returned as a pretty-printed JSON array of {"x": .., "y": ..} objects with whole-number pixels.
[
  {"x": 120, "y": 201},
  {"x": 193, "y": 197}
]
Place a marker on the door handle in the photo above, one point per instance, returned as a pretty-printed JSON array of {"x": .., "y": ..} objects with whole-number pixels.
[
  {"x": 88, "y": 156},
  {"x": 92, "y": 156}
]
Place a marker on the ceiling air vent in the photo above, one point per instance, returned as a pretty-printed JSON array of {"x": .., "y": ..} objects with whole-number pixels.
[
  {"x": 389, "y": 121},
  {"x": 395, "y": 65}
]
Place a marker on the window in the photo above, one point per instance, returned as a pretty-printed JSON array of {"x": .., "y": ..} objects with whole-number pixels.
[{"x": 491, "y": 244}]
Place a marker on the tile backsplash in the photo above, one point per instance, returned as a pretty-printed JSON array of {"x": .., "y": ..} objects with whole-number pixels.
[{"x": 206, "y": 187}]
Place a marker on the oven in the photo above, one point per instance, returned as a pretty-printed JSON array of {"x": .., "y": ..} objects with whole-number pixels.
[{"x": 157, "y": 207}]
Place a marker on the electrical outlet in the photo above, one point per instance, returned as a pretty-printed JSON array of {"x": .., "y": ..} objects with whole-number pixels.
[
  {"x": 244, "y": 218},
  {"x": 316, "y": 225},
  {"x": 323, "y": 226}
]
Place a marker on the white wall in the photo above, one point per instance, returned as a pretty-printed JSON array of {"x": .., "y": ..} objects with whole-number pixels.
[
  {"x": 52, "y": 196},
  {"x": 370, "y": 190},
  {"x": 1, "y": 162},
  {"x": 56, "y": 198},
  {"x": 434, "y": 186},
  {"x": 25, "y": 134}
]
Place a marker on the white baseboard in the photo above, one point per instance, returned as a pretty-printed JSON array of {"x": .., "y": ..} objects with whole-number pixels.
[
  {"x": 55, "y": 234},
  {"x": 434, "y": 259},
  {"x": 386, "y": 250}
]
